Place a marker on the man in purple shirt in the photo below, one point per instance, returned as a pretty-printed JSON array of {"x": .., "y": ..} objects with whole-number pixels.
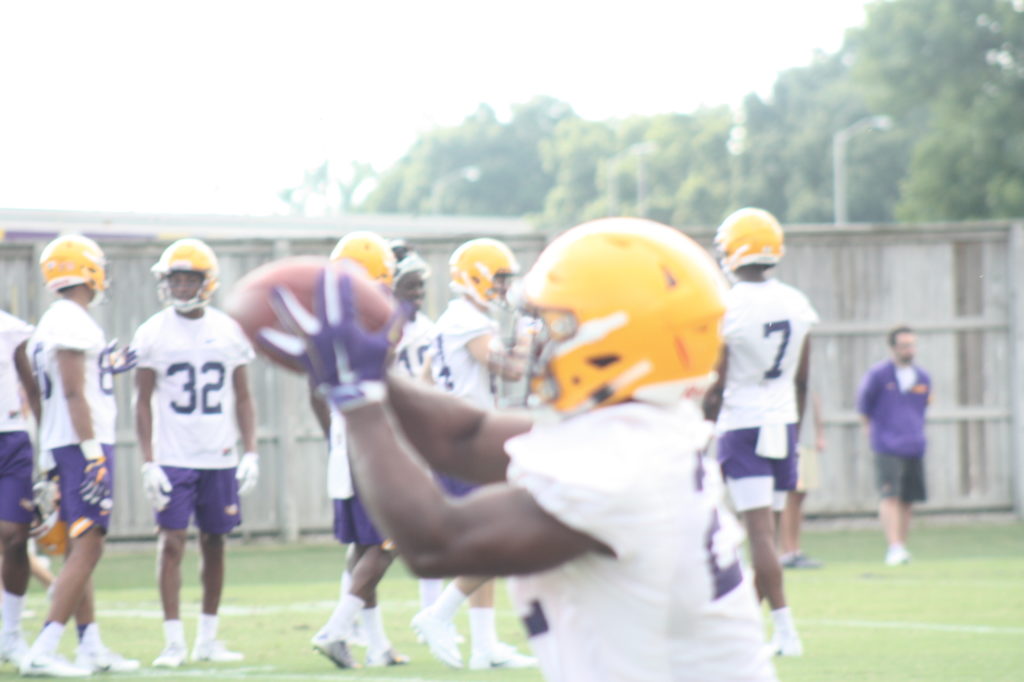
[{"x": 892, "y": 401}]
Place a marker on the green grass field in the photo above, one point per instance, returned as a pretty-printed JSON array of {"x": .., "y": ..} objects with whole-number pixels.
[{"x": 955, "y": 613}]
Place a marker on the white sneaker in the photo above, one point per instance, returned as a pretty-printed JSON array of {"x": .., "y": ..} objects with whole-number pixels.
[
  {"x": 105, "y": 661},
  {"x": 49, "y": 665},
  {"x": 173, "y": 656},
  {"x": 214, "y": 651},
  {"x": 384, "y": 658},
  {"x": 787, "y": 645},
  {"x": 333, "y": 648},
  {"x": 501, "y": 656},
  {"x": 897, "y": 556},
  {"x": 13, "y": 648},
  {"x": 439, "y": 637}
]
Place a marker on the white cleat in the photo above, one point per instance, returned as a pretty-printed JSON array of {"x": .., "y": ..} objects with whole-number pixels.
[
  {"x": 13, "y": 648},
  {"x": 173, "y": 656},
  {"x": 787, "y": 645},
  {"x": 439, "y": 637},
  {"x": 214, "y": 651},
  {"x": 335, "y": 648},
  {"x": 897, "y": 556},
  {"x": 385, "y": 658},
  {"x": 50, "y": 665},
  {"x": 105, "y": 661},
  {"x": 501, "y": 656}
]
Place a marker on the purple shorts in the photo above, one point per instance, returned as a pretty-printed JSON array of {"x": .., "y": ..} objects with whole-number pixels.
[
  {"x": 211, "y": 493},
  {"x": 455, "y": 487},
  {"x": 15, "y": 477},
  {"x": 80, "y": 516},
  {"x": 352, "y": 523},
  {"x": 738, "y": 457}
]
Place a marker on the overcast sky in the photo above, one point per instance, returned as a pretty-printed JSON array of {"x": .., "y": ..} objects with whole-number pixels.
[{"x": 215, "y": 106}]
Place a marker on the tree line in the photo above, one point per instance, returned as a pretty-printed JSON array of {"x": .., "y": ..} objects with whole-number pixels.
[{"x": 947, "y": 74}]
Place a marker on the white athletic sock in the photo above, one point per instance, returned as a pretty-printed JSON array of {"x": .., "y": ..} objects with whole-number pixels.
[
  {"x": 10, "y": 615},
  {"x": 481, "y": 629},
  {"x": 448, "y": 602},
  {"x": 90, "y": 638},
  {"x": 373, "y": 626},
  {"x": 346, "y": 584},
  {"x": 49, "y": 638},
  {"x": 339, "y": 625},
  {"x": 207, "y": 631},
  {"x": 430, "y": 590},
  {"x": 783, "y": 619},
  {"x": 174, "y": 632}
]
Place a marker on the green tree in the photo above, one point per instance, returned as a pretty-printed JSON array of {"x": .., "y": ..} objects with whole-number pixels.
[{"x": 956, "y": 69}]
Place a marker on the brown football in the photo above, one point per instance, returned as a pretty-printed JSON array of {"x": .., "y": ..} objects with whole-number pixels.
[{"x": 249, "y": 300}]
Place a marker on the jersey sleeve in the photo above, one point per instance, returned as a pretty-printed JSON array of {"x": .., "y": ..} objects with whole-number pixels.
[
  {"x": 805, "y": 311},
  {"x": 732, "y": 322},
  {"x": 73, "y": 329},
  {"x": 579, "y": 487},
  {"x": 244, "y": 352},
  {"x": 142, "y": 344}
]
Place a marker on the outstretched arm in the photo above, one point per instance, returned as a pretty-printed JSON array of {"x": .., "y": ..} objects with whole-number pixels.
[
  {"x": 497, "y": 530},
  {"x": 452, "y": 435}
]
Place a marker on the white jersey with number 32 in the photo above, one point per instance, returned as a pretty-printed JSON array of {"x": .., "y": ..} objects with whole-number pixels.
[
  {"x": 673, "y": 602},
  {"x": 194, "y": 398},
  {"x": 68, "y": 326},
  {"x": 764, "y": 328}
]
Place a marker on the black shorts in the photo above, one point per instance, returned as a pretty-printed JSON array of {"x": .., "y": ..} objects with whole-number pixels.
[{"x": 901, "y": 477}]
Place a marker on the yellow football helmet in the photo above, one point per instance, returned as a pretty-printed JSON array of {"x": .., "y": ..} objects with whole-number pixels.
[
  {"x": 73, "y": 259},
  {"x": 476, "y": 264},
  {"x": 628, "y": 309},
  {"x": 187, "y": 255},
  {"x": 750, "y": 236},
  {"x": 371, "y": 251}
]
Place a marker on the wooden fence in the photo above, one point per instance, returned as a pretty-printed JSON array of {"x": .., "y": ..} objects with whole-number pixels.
[{"x": 957, "y": 285}]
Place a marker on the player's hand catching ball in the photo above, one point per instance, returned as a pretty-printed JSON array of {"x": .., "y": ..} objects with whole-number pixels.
[{"x": 344, "y": 360}]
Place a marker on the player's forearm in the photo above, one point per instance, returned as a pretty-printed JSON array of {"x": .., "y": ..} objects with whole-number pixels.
[
  {"x": 144, "y": 430},
  {"x": 397, "y": 489},
  {"x": 439, "y": 426},
  {"x": 81, "y": 415},
  {"x": 28, "y": 380}
]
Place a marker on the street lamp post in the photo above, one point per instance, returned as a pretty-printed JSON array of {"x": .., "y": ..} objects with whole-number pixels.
[
  {"x": 839, "y": 141},
  {"x": 639, "y": 150}
]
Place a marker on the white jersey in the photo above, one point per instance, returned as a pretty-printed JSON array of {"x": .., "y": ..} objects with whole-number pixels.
[
  {"x": 68, "y": 326},
  {"x": 452, "y": 366},
  {"x": 195, "y": 424},
  {"x": 339, "y": 472},
  {"x": 764, "y": 328},
  {"x": 412, "y": 349},
  {"x": 674, "y": 602},
  {"x": 13, "y": 333}
]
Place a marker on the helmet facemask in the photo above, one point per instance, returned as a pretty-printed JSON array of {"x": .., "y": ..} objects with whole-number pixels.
[{"x": 165, "y": 290}]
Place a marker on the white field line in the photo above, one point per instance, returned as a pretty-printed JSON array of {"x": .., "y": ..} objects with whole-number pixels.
[
  {"x": 269, "y": 672},
  {"x": 229, "y": 610},
  {"x": 931, "y": 627},
  {"x": 266, "y": 672}
]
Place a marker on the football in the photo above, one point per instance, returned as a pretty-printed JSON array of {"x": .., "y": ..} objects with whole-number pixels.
[{"x": 249, "y": 301}]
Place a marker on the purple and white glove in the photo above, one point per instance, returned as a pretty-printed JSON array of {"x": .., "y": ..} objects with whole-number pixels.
[
  {"x": 345, "y": 362},
  {"x": 120, "y": 360}
]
